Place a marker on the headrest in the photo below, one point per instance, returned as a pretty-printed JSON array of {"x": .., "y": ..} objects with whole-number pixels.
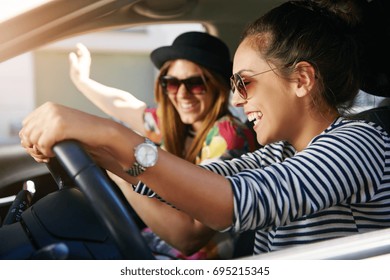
[{"x": 375, "y": 37}]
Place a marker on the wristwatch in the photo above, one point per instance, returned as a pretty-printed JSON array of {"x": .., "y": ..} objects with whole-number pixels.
[{"x": 146, "y": 155}]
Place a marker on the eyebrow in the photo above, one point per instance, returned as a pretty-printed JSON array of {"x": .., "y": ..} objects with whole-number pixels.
[{"x": 245, "y": 70}]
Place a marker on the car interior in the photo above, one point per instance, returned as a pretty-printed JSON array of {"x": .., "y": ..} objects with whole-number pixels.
[{"x": 50, "y": 211}]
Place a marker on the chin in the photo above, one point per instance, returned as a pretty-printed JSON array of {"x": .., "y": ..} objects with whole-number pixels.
[
  {"x": 190, "y": 118},
  {"x": 187, "y": 120},
  {"x": 263, "y": 140}
]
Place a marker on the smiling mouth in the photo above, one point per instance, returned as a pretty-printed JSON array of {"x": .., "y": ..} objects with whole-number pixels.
[
  {"x": 187, "y": 106},
  {"x": 255, "y": 117}
]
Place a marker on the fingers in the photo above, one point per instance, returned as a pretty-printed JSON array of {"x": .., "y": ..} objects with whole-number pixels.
[
  {"x": 37, "y": 135},
  {"x": 82, "y": 50},
  {"x": 32, "y": 149},
  {"x": 81, "y": 54},
  {"x": 72, "y": 58},
  {"x": 52, "y": 123},
  {"x": 80, "y": 63},
  {"x": 74, "y": 67},
  {"x": 37, "y": 154}
]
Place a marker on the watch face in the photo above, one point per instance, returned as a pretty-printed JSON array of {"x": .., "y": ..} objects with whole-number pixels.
[{"x": 146, "y": 155}]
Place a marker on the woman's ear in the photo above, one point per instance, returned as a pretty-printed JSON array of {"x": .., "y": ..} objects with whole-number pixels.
[{"x": 305, "y": 77}]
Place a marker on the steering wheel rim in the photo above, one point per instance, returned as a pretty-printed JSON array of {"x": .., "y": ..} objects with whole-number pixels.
[{"x": 103, "y": 197}]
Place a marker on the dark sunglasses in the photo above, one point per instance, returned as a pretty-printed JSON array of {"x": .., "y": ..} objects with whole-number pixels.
[
  {"x": 238, "y": 82},
  {"x": 194, "y": 85}
]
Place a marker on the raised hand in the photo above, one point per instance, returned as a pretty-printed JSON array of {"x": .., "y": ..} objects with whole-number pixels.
[{"x": 80, "y": 64}]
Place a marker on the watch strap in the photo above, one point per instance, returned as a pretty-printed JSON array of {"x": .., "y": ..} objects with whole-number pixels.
[{"x": 136, "y": 169}]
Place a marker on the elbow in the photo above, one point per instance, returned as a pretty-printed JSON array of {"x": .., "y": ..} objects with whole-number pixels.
[
  {"x": 220, "y": 223},
  {"x": 190, "y": 247}
]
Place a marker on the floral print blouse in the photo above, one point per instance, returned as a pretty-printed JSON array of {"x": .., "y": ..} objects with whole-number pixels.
[{"x": 228, "y": 138}]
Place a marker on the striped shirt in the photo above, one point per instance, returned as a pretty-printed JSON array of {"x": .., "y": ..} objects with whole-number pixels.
[{"x": 339, "y": 185}]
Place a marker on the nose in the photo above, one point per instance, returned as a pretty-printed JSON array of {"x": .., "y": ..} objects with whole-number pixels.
[
  {"x": 237, "y": 101},
  {"x": 182, "y": 90}
]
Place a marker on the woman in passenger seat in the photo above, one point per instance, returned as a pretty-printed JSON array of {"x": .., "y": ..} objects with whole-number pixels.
[
  {"x": 318, "y": 175},
  {"x": 192, "y": 120}
]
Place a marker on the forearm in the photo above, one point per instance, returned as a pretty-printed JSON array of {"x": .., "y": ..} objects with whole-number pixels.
[
  {"x": 202, "y": 194},
  {"x": 173, "y": 226},
  {"x": 177, "y": 228},
  {"x": 114, "y": 102}
]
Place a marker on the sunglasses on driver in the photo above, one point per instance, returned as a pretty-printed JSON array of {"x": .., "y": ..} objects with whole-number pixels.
[
  {"x": 238, "y": 82},
  {"x": 194, "y": 85}
]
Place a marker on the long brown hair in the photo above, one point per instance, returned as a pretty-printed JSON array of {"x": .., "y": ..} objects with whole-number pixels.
[{"x": 174, "y": 131}]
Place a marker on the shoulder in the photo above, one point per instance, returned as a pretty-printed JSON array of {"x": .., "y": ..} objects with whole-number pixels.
[
  {"x": 151, "y": 125},
  {"x": 360, "y": 128},
  {"x": 234, "y": 132},
  {"x": 228, "y": 138},
  {"x": 229, "y": 121},
  {"x": 151, "y": 112},
  {"x": 231, "y": 125},
  {"x": 358, "y": 136}
]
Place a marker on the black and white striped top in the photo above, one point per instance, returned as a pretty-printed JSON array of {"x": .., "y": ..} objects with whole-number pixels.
[{"x": 339, "y": 185}]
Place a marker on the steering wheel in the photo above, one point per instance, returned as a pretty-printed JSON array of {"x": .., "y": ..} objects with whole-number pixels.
[{"x": 103, "y": 197}]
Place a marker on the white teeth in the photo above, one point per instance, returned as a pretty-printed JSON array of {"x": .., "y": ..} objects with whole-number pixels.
[
  {"x": 255, "y": 116},
  {"x": 186, "y": 105}
]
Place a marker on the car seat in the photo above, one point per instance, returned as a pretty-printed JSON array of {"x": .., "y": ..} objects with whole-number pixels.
[
  {"x": 374, "y": 35},
  {"x": 379, "y": 115}
]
